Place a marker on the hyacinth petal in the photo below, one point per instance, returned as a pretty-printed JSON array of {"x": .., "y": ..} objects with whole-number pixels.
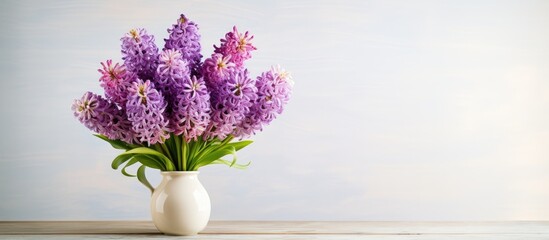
[
  {"x": 140, "y": 53},
  {"x": 103, "y": 117},
  {"x": 184, "y": 37},
  {"x": 145, "y": 109}
]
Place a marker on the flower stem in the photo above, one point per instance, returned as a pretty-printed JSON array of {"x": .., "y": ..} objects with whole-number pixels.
[
  {"x": 207, "y": 150},
  {"x": 184, "y": 149},
  {"x": 195, "y": 146},
  {"x": 178, "y": 150},
  {"x": 227, "y": 140},
  {"x": 167, "y": 152}
]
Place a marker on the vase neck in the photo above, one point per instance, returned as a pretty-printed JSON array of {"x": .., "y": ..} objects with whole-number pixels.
[{"x": 179, "y": 174}]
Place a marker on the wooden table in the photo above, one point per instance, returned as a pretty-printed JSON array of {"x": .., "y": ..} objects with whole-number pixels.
[{"x": 279, "y": 230}]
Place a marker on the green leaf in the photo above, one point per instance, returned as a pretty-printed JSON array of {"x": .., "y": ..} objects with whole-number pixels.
[
  {"x": 131, "y": 162},
  {"x": 209, "y": 147},
  {"x": 143, "y": 178},
  {"x": 118, "y": 144},
  {"x": 227, "y": 139},
  {"x": 167, "y": 150},
  {"x": 194, "y": 146},
  {"x": 157, "y": 155},
  {"x": 239, "y": 145},
  {"x": 217, "y": 154},
  {"x": 120, "y": 159},
  {"x": 211, "y": 144},
  {"x": 149, "y": 161},
  {"x": 232, "y": 164},
  {"x": 178, "y": 160}
]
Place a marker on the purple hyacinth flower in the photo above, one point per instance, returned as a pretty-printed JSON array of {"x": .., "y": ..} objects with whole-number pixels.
[
  {"x": 231, "y": 100},
  {"x": 145, "y": 109},
  {"x": 172, "y": 72},
  {"x": 140, "y": 53},
  {"x": 184, "y": 37},
  {"x": 191, "y": 109},
  {"x": 273, "y": 92},
  {"x": 188, "y": 97},
  {"x": 217, "y": 67},
  {"x": 116, "y": 80},
  {"x": 103, "y": 117},
  {"x": 236, "y": 45}
]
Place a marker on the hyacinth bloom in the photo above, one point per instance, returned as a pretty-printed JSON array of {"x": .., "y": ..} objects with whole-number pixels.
[
  {"x": 140, "y": 53},
  {"x": 172, "y": 72},
  {"x": 184, "y": 37},
  {"x": 103, "y": 117},
  {"x": 191, "y": 110},
  {"x": 217, "y": 67},
  {"x": 145, "y": 109},
  {"x": 115, "y": 80},
  {"x": 188, "y": 97},
  {"x": 231, "y": 100},
  {"x": 236, "y": 45},
  {"x": 273, "y": 92}
]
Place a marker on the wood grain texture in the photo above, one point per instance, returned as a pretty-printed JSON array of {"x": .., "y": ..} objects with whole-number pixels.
[{"x": 279, "y": 230}]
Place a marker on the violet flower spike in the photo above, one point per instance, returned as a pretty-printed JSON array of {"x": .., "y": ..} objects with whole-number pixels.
[
  {"x": 191, "y": 110},
  {"x": 115, "y": 80},
  {"x": 236, "y": 45},
  {"x": 172, "y": 72},
  {"x": 217, "y": 67},
  {"x": 231, "y": 100},
  {"x": 273, "y": 93},
  {"x": 140, "y": 53},
  {"x": 184, "y": 36},
  {"x": 145, "y": 109},
  {"x": 103, "y": 117}
]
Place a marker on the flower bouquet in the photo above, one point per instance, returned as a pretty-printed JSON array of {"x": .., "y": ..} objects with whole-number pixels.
[
  {"x": 174, "y": 112},
  {"x": 171, "y": 111}
]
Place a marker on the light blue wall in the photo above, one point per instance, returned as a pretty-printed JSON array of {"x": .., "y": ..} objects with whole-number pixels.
[{"x": 402, "y": 110}]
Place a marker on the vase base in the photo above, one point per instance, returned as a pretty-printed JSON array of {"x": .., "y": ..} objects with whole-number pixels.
[{"x": 178, "y": 234}]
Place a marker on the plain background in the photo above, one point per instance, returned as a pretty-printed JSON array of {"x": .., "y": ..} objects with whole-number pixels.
[{"x": 402, "y": 110}]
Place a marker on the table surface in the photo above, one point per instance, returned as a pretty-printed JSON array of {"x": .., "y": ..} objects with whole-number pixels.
[{"x": 278, "y": 230}]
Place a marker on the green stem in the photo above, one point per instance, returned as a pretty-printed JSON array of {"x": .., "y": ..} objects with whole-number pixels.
[
  {"x": 206, "y": 144},
  {"x": 158, "y": 148},
  {"x": 188, "y": 153},
  {"x": 227, "y": 140},
  {"x": 167, "y": 147},
  {"x": 173, "y": 148},
  {"x": 166, "y": 151},
  {"x": 191, "y": 146},
  {"x": 184, "y": 148},
  {"x": 203, "y": 149},
  {"x": 206, "y": 150},
  {"x": 178, "y": 150},
  {"x": 224, "y": 142},
  {"x": 195, "y": 146}
]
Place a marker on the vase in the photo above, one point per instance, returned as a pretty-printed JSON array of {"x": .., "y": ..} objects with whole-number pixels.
[{"x": 180, "y": 205}]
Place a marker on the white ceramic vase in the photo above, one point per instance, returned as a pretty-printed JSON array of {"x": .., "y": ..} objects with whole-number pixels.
[{"x": 180, "y": 205}]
